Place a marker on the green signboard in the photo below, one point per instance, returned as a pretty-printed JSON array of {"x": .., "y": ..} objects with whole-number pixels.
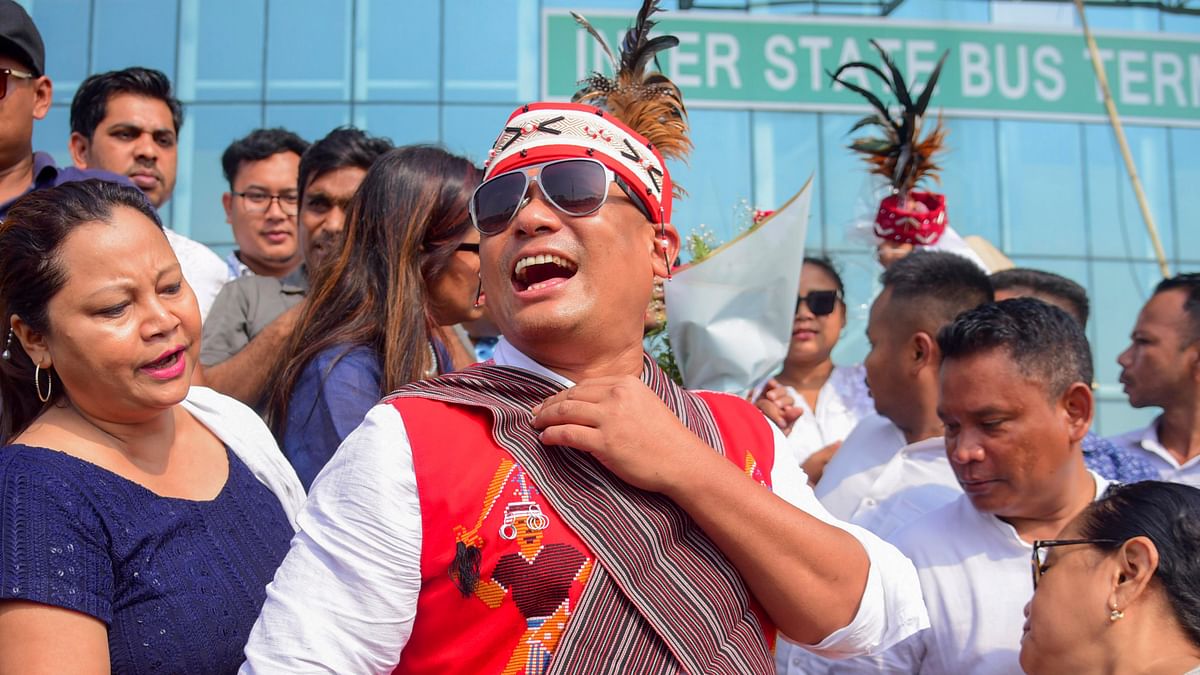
[{"x": 778, "y": 63}]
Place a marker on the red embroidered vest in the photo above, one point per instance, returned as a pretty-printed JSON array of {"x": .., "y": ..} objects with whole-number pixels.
[{"x": 532, "y": 566}]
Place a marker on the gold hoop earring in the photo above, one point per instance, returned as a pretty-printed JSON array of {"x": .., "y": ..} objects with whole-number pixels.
[{"x": 37, "y": 383}]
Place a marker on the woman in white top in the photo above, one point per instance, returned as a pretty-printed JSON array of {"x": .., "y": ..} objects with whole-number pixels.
[{"x": 813, "y": 401}]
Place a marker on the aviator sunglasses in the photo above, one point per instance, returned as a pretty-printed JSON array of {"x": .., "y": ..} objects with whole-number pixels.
[
  {"x": 820, "y": 303},
  {"x": 577, "y": 187}
]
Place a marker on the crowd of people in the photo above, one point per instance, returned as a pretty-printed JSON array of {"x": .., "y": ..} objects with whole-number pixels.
[{"x": 293, "y": 459}]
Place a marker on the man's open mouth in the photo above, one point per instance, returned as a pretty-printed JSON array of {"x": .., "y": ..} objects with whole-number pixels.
[{"x": 542, "y": 271}]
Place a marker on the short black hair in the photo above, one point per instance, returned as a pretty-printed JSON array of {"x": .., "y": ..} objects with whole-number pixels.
[
  {"x": 937, "y": 285},
  {"x": 1168, "y": 514},
  {"x": 90, "y": 104},
  {"x": 1049, "y": 286},
  {"x": 257, "y": 146},
  {"x": 1190, "y": 283},
  {"x": 1045, "y": 342},
  {"x": 342, "y": 147}
]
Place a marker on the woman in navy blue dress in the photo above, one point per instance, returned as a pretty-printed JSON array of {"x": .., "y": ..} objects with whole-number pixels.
[{"x": 140, "y": 518}]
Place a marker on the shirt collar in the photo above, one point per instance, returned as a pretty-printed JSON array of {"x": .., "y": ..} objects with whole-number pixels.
[
  {"x": 506, "y": 354},
  {"x": 937, "y": 445},
  {"x": 44, "y": 168}
]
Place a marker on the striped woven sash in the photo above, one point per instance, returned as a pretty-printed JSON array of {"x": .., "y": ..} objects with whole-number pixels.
[{"x": 663, "y": 598}]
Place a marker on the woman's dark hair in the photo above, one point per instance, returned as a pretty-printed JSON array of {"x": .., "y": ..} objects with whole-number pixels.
[
  {"x": 31, "y": 274},
  {"x": 406, "y": 220},
  {"x": 827, "y": 265},
  {"x": 1169, "y": 515}
]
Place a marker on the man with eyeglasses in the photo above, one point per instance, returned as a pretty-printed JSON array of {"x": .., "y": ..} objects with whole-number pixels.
[
  {"x": 25, "y": 95},
  {"x": 253, "y": 315},
  {"x": 127, "y": 122},
  {"x": 262, "y": 202},
  {"x": 1016, "y": 399},
  {"x": 658, "y": 547}
]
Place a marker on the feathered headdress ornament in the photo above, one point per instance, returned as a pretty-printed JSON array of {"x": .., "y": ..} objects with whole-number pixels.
[
  {"x": 629, "y": 122},
  {"x": 901, "y": 155},
  {"x": 647, "y": 101}
]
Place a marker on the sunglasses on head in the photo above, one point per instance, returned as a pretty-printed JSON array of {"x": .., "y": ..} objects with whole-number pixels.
[
  {"x": 577, "y": 187},
  {"x": 820, "y": 303}
]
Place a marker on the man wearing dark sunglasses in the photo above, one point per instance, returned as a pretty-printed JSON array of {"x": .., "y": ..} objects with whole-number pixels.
[
  {"x": 654, "y": 533},
  {"x": 25, "y": 96}
]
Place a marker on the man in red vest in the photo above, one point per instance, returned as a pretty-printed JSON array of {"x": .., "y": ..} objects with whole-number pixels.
[
  {"x": 675, "y": 540},
  {"x": 566, "y": 508}
]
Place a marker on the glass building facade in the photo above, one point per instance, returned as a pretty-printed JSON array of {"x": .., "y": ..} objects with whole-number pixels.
[{"x": 1052, "y": 195}]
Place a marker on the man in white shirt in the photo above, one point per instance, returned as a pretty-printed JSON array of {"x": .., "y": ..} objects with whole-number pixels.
[
  {"x": 1016, "y": 400},
  {"x": 893, "y": 467},
  {"x": 1161, "y": 368},
  {"x": 127, "y": 122},
  {"x": 568, "y": 267}
]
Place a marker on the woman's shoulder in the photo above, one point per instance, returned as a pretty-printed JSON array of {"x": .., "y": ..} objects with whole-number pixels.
[
  {"x": 850, "y": 383},
  {"x": 28, "y": 464},
  {"x": 48, "y": 485},
  {"x": 339, "y": 357}
]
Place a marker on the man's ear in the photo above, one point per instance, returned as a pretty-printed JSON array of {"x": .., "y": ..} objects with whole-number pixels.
[
  {"x": 79, "y": 145},
  {"x": 923, "y": 352},
  {"x": 227, "y": 203},
  {"x": 43, "y": 96},
  {"x": 33, "y": 342},
  {"x": 1079, "y": 404},
  {"x": 665, "y": 249}
]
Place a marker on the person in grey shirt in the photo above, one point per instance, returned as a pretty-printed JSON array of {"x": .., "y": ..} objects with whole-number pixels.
[{"x": 253, "y": 316}]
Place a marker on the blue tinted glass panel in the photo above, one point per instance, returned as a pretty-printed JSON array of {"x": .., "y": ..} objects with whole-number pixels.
[
  {"x": 404, "y": 124},
  {"x": 1142, "y": 19},
  {"x": 470, "y": 130},
  {"x": 969, "y": 178},
  {"x": 860, "y": 276},
  {"x": 717, "y": 176},
  {"x": 1118, "y": 229},
  {"x": 1120, "y": 289},
  {"x": 1041, "y": 188},
  {"x": 134, "y": 33},
  {"x": 491, "y": 51},
  {"x": 849, "y": 194},
  {"x": 1185, "y": 148},
  {"x": 942, "y": 10},
  {"x": 52, "y": 133},
  {"x": 1180, "y": 23},
  {"x": 308, "y": 50},
  {"x": 221, "y": 50},
  {"x": 210, "y": 129},
  {"x": 311, "y": 121},
  {"x": 786, "y": 153},
  {"x": 63, "y": 26},
  {"x": 397, "y": 51}
]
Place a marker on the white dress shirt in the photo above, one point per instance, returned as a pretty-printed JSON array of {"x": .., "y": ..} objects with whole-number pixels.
[
  {"x": 345, "y": 598},
  {"x": 883, "y": 489},
  {"x": 203, "y": 269},
  {"x": 841, "y": 402},
  {"x": 975, "y": 576},
  {"x": 1145, "y": 442}
]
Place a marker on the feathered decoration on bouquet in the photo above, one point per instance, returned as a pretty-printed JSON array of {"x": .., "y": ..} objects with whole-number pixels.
[
  {"x": 646, "y": 101},
  {"x": 901, "y": 156}
]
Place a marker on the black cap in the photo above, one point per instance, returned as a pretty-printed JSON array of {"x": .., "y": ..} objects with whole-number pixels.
[{"x": 19, "y": 38}]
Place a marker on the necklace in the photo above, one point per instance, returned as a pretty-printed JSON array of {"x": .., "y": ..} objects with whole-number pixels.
[{"x": 432, "y": 369}]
